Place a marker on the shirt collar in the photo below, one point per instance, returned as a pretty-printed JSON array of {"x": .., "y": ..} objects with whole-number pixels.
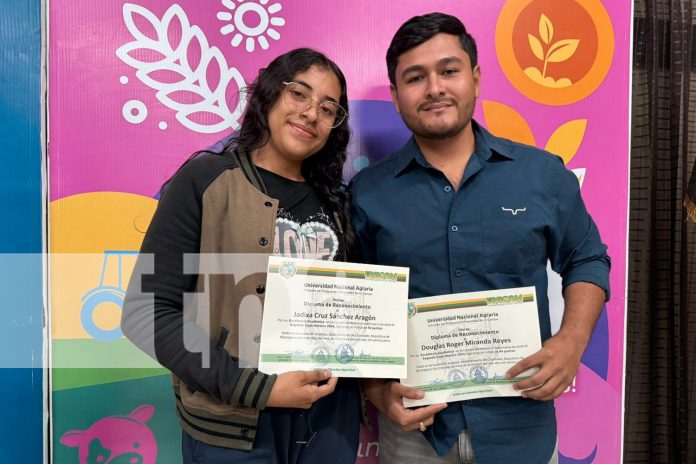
[
  {"x": 409, "y": 154},
  {"x": 486, "y": 146}
]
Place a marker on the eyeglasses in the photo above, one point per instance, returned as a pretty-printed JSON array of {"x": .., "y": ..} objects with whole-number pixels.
[{"x": 299, "y": 98}]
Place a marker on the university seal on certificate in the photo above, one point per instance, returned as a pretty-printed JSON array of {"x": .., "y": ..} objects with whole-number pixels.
[
  {"x": 456, "y": 375},
  {"x": 478, "y": 374},
  {"x": 321, "y": 354},
  {"x": 411, "y": 309},
  {"x": 287, "y": 269},
  {"x": 344, "y": 353}
]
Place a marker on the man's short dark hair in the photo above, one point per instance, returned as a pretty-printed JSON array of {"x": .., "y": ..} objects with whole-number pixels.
[{"x": 420, "y": 29}]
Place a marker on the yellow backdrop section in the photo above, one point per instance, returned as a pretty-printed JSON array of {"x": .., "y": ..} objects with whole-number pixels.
[{"x": 92, "y": 240}]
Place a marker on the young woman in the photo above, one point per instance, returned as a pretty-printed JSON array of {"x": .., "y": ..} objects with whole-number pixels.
[{"x": 276, "y": 188}]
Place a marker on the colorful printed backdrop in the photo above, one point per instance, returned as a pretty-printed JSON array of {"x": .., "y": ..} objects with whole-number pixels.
[{"x": 136, "y": 87}]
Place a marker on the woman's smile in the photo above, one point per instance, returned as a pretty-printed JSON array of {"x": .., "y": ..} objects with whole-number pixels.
[{"x": 303, "y": 130}]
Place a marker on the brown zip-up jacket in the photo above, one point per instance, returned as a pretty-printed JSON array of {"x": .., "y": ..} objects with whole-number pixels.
[{"x": 214, "y": 204}]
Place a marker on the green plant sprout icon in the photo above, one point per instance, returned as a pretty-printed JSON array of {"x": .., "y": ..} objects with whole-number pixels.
[{"x": 549, "y": 52}]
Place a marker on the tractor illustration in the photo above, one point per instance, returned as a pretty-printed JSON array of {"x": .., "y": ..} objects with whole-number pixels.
[{"x": 104, "y": 293}]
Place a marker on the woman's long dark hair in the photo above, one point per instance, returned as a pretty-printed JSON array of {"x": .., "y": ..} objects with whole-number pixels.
[{"x": 323, "y": 170}]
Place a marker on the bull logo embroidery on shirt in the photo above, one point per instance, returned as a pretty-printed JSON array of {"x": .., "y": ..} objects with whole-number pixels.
[{"x": 515, "y": 210}]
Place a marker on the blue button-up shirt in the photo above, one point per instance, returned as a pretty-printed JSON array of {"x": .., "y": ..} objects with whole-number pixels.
[{"x": 517, "y": 207}]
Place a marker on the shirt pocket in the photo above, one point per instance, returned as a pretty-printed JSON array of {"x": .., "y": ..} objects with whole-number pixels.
[{"x": 512, "y": 237}]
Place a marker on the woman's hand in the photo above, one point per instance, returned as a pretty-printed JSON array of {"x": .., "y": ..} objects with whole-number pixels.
[{"x": 300, "y": 389}]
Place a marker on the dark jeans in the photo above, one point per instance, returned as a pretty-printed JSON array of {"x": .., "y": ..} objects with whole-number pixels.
[{"x": 329, "y": 430}]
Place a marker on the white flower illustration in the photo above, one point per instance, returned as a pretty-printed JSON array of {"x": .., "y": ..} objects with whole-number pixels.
[
  {"x": 240, "y": 15},
  {"x": 193, "y": 92}
]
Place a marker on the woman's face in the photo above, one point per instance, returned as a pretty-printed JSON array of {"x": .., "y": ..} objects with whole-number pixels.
[{"x": 295, "y": 134}]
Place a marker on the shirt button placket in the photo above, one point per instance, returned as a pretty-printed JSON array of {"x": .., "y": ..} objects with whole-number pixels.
[{"x": 454, "y": 229}]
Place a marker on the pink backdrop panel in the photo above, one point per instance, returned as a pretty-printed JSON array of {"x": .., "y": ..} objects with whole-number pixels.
[{"x": 137, "y": 87}]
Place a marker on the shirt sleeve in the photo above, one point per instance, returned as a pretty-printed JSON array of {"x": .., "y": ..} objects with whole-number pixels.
[
  {"x": 361, "y": 225},
  {"x": 575, "y": 249},
  {"x": 153, "y": 311}
]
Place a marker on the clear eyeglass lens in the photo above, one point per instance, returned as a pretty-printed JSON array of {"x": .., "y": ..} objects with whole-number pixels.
[
  {"x": 298, "y": 98},
  {"x": 297, "y": 93}
]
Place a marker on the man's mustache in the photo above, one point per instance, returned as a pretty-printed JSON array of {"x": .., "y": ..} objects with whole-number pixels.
[{"x": 442, "y": 101}]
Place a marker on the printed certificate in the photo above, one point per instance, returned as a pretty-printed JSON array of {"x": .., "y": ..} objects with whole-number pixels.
[
  {"x": 346, "y": 317},
  {"x": 460, "y": 346}
]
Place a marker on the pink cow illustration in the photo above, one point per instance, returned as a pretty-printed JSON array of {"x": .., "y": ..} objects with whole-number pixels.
[{"x": 116, "y": 439}]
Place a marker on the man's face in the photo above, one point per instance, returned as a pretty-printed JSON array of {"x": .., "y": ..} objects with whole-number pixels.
[{"x": 436, "y": 88}]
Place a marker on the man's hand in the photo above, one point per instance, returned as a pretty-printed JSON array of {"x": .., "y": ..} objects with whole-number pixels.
[
  {"x": 300, "y": 389},
  {"x": 387, "y": 397},
  {"x": 559, "y": 358},
  {"x": 558, "y": 361}
]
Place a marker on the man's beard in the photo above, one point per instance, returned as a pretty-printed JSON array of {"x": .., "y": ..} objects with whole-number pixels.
[{"x": 439, "y": 130}]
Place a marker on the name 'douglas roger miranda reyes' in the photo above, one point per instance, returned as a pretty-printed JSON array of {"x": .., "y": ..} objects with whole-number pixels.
[{"x": 460, "y": 343}]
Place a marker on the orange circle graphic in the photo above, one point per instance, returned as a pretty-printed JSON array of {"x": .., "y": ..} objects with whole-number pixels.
[{"x": 555, "y": 52}]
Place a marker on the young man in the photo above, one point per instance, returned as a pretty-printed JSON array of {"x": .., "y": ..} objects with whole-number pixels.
[{"x": 442, "y": 206}]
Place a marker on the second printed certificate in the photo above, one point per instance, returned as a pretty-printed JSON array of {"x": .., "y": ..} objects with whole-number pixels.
[
  {"x": 460, "y": 346},
  {"x": 346, "y": 317}
]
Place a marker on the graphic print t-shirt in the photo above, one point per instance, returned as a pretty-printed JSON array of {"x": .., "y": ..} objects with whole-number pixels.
[{"x": 304, "y": 229}]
